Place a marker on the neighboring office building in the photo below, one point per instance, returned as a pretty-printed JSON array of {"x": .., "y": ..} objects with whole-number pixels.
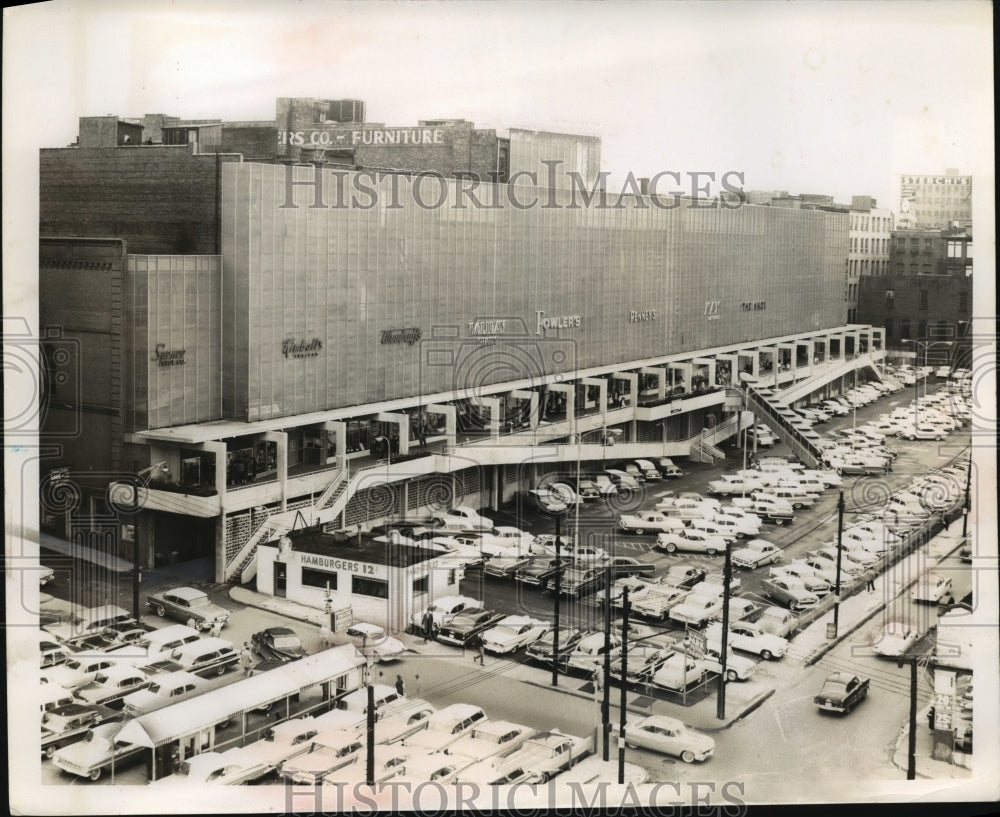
[
  {"x": 868, "y": 252},
  {"x": 316, "y": 336},
  {"x": 935, "y": 202},
  {"x": 931, "y": 252}
]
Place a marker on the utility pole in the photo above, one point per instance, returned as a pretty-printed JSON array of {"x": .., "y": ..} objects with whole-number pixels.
[
  {"x": 555, "y": 624},
  {"x": 840, "y": 537},
  {"x": 727, "y": 579},
  {"x": 967, "y": 507},
  {"x": 606, "y": 702},
  {"x": 911, "y": 763},
  {"x": 623, "y": 714},
  {"x": 370, "y": 745}
]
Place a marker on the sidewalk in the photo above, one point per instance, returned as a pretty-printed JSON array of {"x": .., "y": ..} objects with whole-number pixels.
[{"x": 926, "y": 765}]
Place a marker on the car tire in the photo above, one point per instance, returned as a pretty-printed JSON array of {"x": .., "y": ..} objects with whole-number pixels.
[
  {"x": 766, "y": 655},
  {"x": 95, "y": 775},
  {"x": 670, "y": 548},
  {"x": 221, "y": 669},
  {"x": 711, "y": 551},
  {"x": 639, "y": 531},
  {"x": 939, "y": 437},
  {"x": 160, "y": 610},
  {"x": 632, "y": 745},
  {"x": 687, "y": 756},
  {"x": 51, "y": 749},
  {"x": 731, "y": 675},
  {"x": 779, "y": 522}
]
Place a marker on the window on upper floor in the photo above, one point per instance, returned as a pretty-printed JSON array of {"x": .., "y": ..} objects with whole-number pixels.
[
  {"x": 923, "y": 300},
  {"x": 963, "y": 301},
  {"x": 954, "y": 249}
]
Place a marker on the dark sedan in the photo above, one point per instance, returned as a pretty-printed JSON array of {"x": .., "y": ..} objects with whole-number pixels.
[
  {"x": 463, "y": 629},
  {"x": 542, "y": 650},
  {"x": 129, "y": 633},
  {"x": 539, "y": 571},
  {"x": 278, "y": 644}
]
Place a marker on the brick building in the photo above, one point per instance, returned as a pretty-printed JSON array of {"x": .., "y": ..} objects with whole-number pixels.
[{"x": 935, "y": 202}]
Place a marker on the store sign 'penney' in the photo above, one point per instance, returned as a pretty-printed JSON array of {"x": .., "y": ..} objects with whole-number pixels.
[
  {"x": 168, "y": 357},
  {"x": 292, "y": 348},
  {"x": 368, "y": 136},
  {"x": 408, "y": 336},
  {"x": 561, "y": 322},
  {"x": 333, "y": 563},
  {"x": 637, "y": 315}
]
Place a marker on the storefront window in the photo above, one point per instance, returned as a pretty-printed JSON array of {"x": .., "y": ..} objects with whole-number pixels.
[
  {"x": 370, "y": 587},
  {"x": 318, "y": 578},
  {"x": 420, "y": 585}
]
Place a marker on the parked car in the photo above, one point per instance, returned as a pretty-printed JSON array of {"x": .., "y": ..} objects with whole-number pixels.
[
  {"x": 186, "y": 604},
  {"x": 98, "y": 749},
  {"x": 640, "y": 523},
  {"x": 589, "y": 651},
  {"x": 113, "y": 636},
  {"x": 76, "y": 671},
  {"x": 669, "y": 736},
  {"x": 755, "y": 553},
  {"x": 644, "y": 659},
  {"x": 539, "y": 570},
  {"x": 648, "y": 470},
  {"x": 513, "y": 632},
  {"x": 569, "y": 497},
  {"x": 738, "y": 668},
  {"x": 690, "y": 540},
  {"x": 51, "y": 653},
  {"x": 931, "y": 587},
  {"x": 277, "y": 644},
  {"x": 696, "y": 610},
  {"x": 668, "y": 468},
  {"x": 543, "y": 650},
  {"x": 330, "y": 750},
  {"x": 749, "y": 637},
  {"x": 475, "y": 520},
  {"x": 777, "y": 621},
  {"x": 163, "y": 690},
  {"x": 442, "y": 610},
  {"x": 680, "y": 672},
  {"x": 682, "y": 575},
  {"x": 69, "y": 723},
  {"x": 542, "y": 757},
  {"x": 656, "y": 601},
  {"x": 813, "y": 581},
  {"x": 204, "y": 657},
  {"x": 579, "y": 581},
  {"x": 788, "y": 592},
  {"x": 372, "y": 639},
  {"x": 842, "y": 692},
  {"x": 111, "y": 685},
  {"x": 445, "y": 727},
  {"x": 467, "y": 626},
  {"x": 89, "y": 621}
]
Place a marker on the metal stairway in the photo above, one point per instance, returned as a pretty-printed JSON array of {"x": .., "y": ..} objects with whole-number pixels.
[{"x": 759, "y": 401}]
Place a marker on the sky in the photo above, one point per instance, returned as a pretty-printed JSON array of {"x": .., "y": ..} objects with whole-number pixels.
[{"x": 798, "y": 96}]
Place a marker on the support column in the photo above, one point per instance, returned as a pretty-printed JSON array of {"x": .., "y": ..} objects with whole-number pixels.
[
  {"x": 684, "y": 368},
  {"x": 220, "y": 545},
  {"x": 532, "y": 396},
  {"x": 493, "y": 404},
  {"x": 570, "y": 391},
  {"x": 281, "y": 440},
  {"x": 734, "y": 373},
  {"x": 339, "y": 430},
  {"x": 602, "y": 396}
]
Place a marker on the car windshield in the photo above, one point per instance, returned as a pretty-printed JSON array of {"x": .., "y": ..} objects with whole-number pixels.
[{"x": 199, "y": 601}]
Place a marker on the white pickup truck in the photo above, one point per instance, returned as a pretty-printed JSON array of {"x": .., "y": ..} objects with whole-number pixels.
[
  {"x": 643, "y": 521},
  {"x": 696, "y": 610},
  {"x": 657, "y": 599}
]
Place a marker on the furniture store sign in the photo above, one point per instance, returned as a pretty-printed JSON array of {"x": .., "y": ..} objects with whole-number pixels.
[{"x": 411, "y": 137}]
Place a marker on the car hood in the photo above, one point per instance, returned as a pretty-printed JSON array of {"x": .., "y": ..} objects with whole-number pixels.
[{"x": 388, "y": 645}]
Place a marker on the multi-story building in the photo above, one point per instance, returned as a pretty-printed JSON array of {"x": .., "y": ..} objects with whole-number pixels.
[
  {"x": 260, "y": 345},
  {"x": 868, "y": 251},
  {"x": 935, "y": 202}
]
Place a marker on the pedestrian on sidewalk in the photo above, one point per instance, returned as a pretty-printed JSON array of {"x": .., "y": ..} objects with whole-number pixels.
[
  {"x": 192, "y": 623},
  {"x": 400, "y": 686},
  {"x": 428, "y": 625},
  {"x": 246, "y": 660},
  {"x": 870, "y": 575},
  {"x": 325, "y": 636},
  {"x": 216, "y": 629},
  {"x": 480, "y": 655}
]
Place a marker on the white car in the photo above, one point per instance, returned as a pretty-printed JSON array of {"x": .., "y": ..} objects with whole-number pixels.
[
  {"x": 696, "y": 609},
  {"x": 542, "y": 757},
  {"x": 489, "y": 739},
  {"x": 757, "y": 552},
  {"x": 931, "y": 587},
  {"x": 829, "y": 478},
  {"x": 511, "y": 537},
  {"x": 476, "y": 521},
  {"x": 513, "y": 632},
  {"x": 895, "y": 639},
  {"x": 813, "y": 581},
  {"x": 836, "y": 408},
  {"x": 738, "y": 523},
  {"x": 725, "y": 532},
  {"x": 738, "y": 668},
  {"x": 669, "y": 736},
  {"x": 639, "y": 523},
  {"x": 446, "y": 726},
  {"x": 372, "y": 639},
  {"x": 566, "y": 493},
  {"x": 749, "y": 637},
  {"x": 169, "y": 688},
  {"x": 694, "y": 541},
  {"x": 736, "y": 484}
]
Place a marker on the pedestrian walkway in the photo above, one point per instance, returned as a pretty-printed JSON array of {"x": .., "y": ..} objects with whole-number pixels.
[{"x": 926, "y": 766}]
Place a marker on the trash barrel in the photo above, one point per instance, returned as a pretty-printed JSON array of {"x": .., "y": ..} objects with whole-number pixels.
[{"x": 831, "y": 630}]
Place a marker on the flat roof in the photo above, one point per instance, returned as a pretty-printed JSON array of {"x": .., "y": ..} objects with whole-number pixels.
[{"x": 368, "y": 550}]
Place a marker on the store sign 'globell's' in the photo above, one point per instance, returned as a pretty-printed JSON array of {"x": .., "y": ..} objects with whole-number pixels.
[
  {"x": 168, "y": 357},
  {"x": 408, "y": 336},
  {"x": 303, "y": 348}
]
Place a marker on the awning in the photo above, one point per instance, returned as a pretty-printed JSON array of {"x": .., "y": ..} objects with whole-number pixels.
[{"x": 212, "y": 708}]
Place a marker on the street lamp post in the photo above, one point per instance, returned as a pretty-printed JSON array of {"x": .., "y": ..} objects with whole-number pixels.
[
  {"x": 137, "y": 552},
  {"x": 967, "y": 506},
  {"x": 558, "y": 593},
  {"x": 623, "y": 713},
  {"x": 840, "y": 550}
]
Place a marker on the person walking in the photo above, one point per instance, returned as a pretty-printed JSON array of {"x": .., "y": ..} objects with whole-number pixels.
[
  {"x": 216, "y": 629},
  {"x": 428, "y": 624},
  {"x": 870, "y": 575},
  {"x": 325, "y": 636},
  {"x": 246, "y": 660},
  {"x": 400, "y": 686},
  {"x": 480, "y": 655}
]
